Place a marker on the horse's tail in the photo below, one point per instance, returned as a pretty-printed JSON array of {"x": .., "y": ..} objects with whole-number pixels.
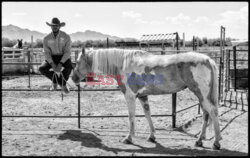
[
  {"x": 214, "y": 91},
  {"x": 214, "y": 88}
]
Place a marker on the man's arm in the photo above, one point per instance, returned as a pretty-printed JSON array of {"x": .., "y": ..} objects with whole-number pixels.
[
  {"x": 47, "y": 52},
  {"x": 66, "y": 50}
]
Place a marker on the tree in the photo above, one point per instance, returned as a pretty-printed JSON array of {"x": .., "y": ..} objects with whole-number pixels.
[
  {"x": 204, "y": 39},
  {"x": 7, "y": 42},
  {"x": 39, "y": 43}
]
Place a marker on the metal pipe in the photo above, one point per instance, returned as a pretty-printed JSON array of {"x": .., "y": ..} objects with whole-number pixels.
[
  {"x": 79, "y": 107},
  {"x": 187, "y": 108},
  {"x": 173, "y": 109},
  {"x": 219, "y": 96},
  {"x": 29, "y": 67},
  {"x": 60, "y": 90},
  {"x": 101, "y": 116},
  {"x": 23, "y": 63},
  {"x": 234, "y": 58}
]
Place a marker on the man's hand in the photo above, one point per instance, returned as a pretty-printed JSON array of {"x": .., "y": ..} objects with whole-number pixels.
[
  {"x": 58, "y": 68},
  {"x": 53, "y": 65}
]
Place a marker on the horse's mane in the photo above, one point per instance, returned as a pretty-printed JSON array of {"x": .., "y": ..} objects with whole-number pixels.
[{"x": 111, "y": 61}]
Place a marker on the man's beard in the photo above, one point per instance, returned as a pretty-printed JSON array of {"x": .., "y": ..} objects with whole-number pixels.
[{"x": 55, "y": 32}]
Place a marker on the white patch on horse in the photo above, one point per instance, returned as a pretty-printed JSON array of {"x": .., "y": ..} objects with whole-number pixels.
[
  {"x": 140, "y": 91},
  {"x": 202, "y": 75},
  {"x": 79, "y": 56}
]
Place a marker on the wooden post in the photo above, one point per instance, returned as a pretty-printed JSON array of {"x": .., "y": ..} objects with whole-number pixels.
[
  {"x": 184, "y": 40},
  {"x": 193, "y": 43},
  {"x": 234, "y": 55},
  {"x": 177, "y": 42},
  {"x": 163, "y": 49},
  {"x": 107, "y": 42},
  {"x": 31, "y": 53},
  {"x": 76, "y": 55}
]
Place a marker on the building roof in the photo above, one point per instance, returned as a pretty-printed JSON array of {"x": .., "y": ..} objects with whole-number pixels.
[
  {"x": 158, "y": 38},
  {"x": 240, "y": 43}
]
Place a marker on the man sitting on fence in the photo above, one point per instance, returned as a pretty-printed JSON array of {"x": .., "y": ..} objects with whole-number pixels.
[{"x": 57, "y": 49}]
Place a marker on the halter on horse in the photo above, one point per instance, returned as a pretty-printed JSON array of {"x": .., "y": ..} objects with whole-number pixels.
[{"x": 146, "y": 74}]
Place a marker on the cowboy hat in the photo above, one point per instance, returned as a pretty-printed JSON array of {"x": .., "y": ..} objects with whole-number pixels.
[{"x": 56, "y": 21}]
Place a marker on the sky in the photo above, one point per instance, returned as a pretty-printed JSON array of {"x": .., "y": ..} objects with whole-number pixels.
[{"x": 133, "y": 19}]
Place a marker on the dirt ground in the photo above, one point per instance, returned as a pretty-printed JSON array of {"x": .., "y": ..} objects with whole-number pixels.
[{"x": 103, "y": 136}]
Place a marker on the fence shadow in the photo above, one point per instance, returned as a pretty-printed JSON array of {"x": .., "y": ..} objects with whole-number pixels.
[{"x": 91, "y": 140}]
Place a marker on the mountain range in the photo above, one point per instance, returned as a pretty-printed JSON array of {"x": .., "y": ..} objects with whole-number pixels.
[{"x": 13, "y": 32}]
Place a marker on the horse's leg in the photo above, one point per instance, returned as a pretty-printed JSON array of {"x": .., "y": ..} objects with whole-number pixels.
[
  {"x": 218, "y": 137},
  {"x": 205, "y": 116},
  {"x": 203, "y": 82},
  {"x": 202, "y": 135},
  {"x": 145, "y": 105},
  {"x": 130, "y": 99}
]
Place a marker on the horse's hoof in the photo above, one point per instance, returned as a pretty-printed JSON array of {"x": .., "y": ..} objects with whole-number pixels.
[
  {"x": 216, "y": 146},
  {"x": 127, "y": 141},
  {"x": 152, "y": 140},
  {"x": 198, "y": 144}
]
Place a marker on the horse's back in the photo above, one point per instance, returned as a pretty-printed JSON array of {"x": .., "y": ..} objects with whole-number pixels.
[{"x": 166, "y": 60}]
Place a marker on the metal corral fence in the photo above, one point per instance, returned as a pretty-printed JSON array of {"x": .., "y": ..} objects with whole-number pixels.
[
  {"x": 236, "y": 77},
  {"x": 30, "y": 62}
]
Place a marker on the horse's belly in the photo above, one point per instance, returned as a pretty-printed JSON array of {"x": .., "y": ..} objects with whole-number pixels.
[
  {"x": 165, "y": 88},
  {"x": 161, "y": 80}
]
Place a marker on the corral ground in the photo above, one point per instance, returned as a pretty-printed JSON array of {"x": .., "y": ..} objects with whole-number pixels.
[{"x": 103, "y": 136}]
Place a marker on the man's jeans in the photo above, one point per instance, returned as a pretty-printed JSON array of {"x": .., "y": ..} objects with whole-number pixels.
[{"x": 45, "y": 66}]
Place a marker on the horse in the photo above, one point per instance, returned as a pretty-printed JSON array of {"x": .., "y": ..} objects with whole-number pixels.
[
  {"x": 143, "y": 74},
  {"x": 19, "y": 44}
]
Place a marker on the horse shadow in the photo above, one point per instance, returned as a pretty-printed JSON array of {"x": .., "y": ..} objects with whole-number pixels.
[{"x": 91, "y": 140}]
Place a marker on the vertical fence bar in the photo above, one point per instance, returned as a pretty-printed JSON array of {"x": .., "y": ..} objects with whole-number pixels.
[
  {"x": 234, "y": 55},
  {"x": 79, "y": 107},
  {"x": 29, "y": 66},
  {"x": 242, "y": 103},
  {"x": 229, "y": 73},
  {"x": 199, "y": 108},
  {"x": 219, "y": 96},
  {"x": 231, "y": 93},
  {"x": 175, "y": 94},
  {"x": 174, "y": 110},
  {"x": 236, "y": 100},
  {"x": 226, "y": 71},
  {"x": 13, "y": 54},
  {"x": 177, "y": 42}
]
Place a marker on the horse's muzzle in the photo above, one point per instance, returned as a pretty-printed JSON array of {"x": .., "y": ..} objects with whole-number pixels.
[{"x": 75, "y": 78}]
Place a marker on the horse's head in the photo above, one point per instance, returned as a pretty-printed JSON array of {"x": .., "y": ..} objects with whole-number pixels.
[
  {"x": 19, "y": 43},
  {"x": 82, "y": 68}
]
